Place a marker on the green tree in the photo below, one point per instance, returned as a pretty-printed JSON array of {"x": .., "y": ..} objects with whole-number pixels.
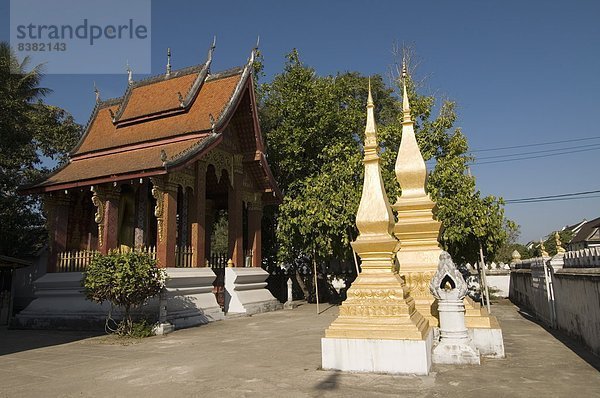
[
  {"x": 314, "y": 130},
  {"x": 126, "y": 280},
  {"x": 30, "y": 130},
  {"x": 504, "y": 253}
]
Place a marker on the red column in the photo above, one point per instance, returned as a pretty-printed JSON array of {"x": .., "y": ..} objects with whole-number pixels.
[
  {"x": 235, "y": 214},
  {"x": 198, "y": 217},
  {"x": 110, "y": 233},
  {"x": 167, "y": 225},
  {"x": 255, "y": 232},
  {"x": 57, "y": 213}
]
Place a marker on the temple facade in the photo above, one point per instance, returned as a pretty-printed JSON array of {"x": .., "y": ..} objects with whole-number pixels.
[
  {"x": 153, "y": 171},
  {"x": 154, "y": 168}
]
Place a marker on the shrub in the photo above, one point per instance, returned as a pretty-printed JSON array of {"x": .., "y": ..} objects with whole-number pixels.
[{"x": 126, "y": 280}]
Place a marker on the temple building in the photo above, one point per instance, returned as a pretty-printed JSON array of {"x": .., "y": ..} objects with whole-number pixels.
[{"x": 155, "y": 167}]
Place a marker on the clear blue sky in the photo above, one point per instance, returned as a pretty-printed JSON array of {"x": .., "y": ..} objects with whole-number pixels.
[{"x": 522, "y": 72}]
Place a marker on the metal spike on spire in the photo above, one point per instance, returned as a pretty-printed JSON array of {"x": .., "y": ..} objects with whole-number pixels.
[
  {"x": 405, "y": 103},
  {"x": 97, "y": 92},
  {"x": 168, "y": 62}
]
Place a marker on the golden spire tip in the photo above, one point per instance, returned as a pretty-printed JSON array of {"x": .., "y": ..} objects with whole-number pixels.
[{"x": 370, "y": 97}]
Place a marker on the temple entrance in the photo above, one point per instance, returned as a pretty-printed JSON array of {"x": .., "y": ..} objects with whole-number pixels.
[{"x": 217, "y": 228}]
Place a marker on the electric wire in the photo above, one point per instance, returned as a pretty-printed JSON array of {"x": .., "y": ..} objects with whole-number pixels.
[
  {"x": 552, "y": 200},
  {"x": 589, "y": 146},
  {"x": 553, "y": 197},
  {"x": 534, "y": 157},
  {"x": 536, "y": 144}
]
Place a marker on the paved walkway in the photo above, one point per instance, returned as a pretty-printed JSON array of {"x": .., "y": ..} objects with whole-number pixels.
[{"x": 277, "y": 355}]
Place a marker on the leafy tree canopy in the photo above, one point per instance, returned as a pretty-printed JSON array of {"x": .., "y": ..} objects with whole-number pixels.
[
  {"x": 30, "y": 131},
  {"x": 314, "y": 128}
]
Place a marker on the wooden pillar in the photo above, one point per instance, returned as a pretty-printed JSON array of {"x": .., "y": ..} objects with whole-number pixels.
[
  {"x": 111, "y": 223},
  {"x": 57, "y": 221},
  {"x": 255, "y": 232},
  {"x": 141, "y": 215},
  {"x": 166, "y": 216},
  {"x": 106, "y": 201},
  {"x": 235, "y": 214},
  {"x": 198, "y": 217}
]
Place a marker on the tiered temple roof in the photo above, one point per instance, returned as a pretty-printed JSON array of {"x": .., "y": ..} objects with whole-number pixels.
[{"x": 164, "y": 123}]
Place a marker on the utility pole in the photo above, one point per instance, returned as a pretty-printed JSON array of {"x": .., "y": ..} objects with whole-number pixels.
[
  {"x": 484, "y": 279},
  {"x": 316, "y": 280}
]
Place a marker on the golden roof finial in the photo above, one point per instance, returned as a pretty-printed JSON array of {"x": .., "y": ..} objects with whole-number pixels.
[
  {"x": 559, "y": 248},
  {"x": 543, "y": 251}
]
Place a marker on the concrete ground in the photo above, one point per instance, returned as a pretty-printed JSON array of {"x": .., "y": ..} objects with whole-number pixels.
[{"x": 278, "y": 355}]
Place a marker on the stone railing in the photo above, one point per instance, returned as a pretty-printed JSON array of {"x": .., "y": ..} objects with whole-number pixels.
[
  {"x": 562, "y": 298},
  {"x": 584, "y": 258}
]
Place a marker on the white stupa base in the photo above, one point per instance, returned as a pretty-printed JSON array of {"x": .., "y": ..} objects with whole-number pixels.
[
  {"x": 377, "y": 356},
  {"x": 246, "y": 291},
  {"x": 455, "y": 353},
  {"x": 488, "y": 341}
]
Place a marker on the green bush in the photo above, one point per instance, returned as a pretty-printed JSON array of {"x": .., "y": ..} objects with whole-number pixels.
[{"x": 126, "y": 280}]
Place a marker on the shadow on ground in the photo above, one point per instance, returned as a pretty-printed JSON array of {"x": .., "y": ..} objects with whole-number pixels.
[
  {"x": 13, "y": 341},
  {"x": 574, "y": 345},
  {"x": 330, "y": 383}
]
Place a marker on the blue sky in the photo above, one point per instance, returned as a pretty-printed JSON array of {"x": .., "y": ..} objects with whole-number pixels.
[{"x": 521, "y": 73}]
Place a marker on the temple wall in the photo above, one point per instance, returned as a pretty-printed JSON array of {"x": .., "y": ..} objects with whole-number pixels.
[{"x": 572, "y": 307}]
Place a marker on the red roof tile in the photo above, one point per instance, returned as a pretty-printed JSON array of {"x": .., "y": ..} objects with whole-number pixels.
[{"x": 213, "y": 97}]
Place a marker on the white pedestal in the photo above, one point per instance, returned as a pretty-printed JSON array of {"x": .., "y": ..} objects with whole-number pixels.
[
  {"x": 60, "y": 303},
  {"x": 377, "y": 356},
  {"x": 246, "y": 291},
  {"x": 488, "y": 341},
  {"x": 190, "y": 299},
  {"x": 460, "y": 353}
]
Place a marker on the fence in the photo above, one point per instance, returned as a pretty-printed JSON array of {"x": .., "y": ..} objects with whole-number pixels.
[
  {"x": 584, "y": 258},
  {"x": 563, "y": 298},
  {"x": 184, "y": 257},
  {"x": 78, "y": 260},
  {"x": 74, "y": 261}
]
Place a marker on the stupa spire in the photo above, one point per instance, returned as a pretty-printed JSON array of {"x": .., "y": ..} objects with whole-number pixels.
[
  {"x": 374, "y": 215},
  {"x": 405, "y": 103},
  {"x": 378, "y": 319},
  {"x": 410, "y": 166}
]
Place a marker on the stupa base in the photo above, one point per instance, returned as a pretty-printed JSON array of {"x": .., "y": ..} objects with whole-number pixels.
[{"x": 377, "y": 356}]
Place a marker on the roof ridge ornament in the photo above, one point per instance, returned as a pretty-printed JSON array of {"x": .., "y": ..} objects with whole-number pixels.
[
  {"x": 212, "y": 121},
  {"x": 168, "y": 74},
  {"x": 97, "y": 92},
  {"x": 254, "y": 51},
  {"x": 129, "y": 74},
  {"x": 211, "y": 51}
]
